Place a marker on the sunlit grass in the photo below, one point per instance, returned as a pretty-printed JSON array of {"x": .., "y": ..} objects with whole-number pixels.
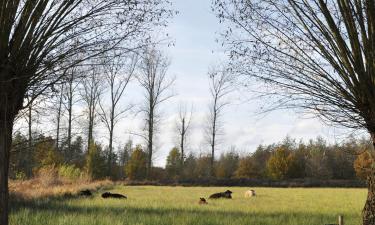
[{"x": 179, "y": 205}]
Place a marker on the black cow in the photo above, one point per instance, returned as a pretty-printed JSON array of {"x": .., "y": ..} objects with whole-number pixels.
[
  {"x": 86, "y": 193},
  {"x": 226, "y": 194},
  {"x": 112, "y": 195}
]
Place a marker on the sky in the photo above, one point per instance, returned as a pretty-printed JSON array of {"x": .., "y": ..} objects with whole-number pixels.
[{"x": 194, "y": 32}]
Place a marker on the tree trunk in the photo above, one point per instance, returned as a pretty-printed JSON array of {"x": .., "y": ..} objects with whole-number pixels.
[
  {"x": 182, "y": 141},
  {"x": 368, "y": 213},
  {"x": 59, "y": 119},
  {"x": 30, "y": 142},
  {"x": 7, "y": 116}
]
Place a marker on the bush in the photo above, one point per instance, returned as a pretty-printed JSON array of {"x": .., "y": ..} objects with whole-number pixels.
[
  {"x": 69, "y": 172},
  {"x": 48, "y": 176},
  {"x": 20, "y": 175}
]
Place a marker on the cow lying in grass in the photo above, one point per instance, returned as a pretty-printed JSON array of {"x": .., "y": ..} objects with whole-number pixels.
[
  {"x": 85, "y": 193},
  {"x": 249, "y": 194},
  {"x": 202, "y": 201},
  {"x": 226, "y": 194},
  {"x": 112, "y": 195}
]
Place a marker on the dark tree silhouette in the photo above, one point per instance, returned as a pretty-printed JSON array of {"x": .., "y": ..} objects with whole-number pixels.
[
  {"x": 36, "y": 36},
  {"x": 317, "y": 55}
]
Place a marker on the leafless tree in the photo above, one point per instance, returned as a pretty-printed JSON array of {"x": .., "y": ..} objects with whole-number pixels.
[
  {"x": 154, "y": 80},
  {"x": 183, "y": 127},
  {"x": 91, "y": 92},
  {"x": 72, "y": 77},
  {"x": 36, "y": 36},
  {"x": 118, "y": 71},
  {"x": 59, "y": 112},
  {"x": 221, "y": 85},
  {"x": 316, "y": 55}
]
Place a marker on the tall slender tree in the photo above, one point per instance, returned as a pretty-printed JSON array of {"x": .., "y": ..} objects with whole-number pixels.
[
  {"x": 317, "y": 55},
  {"x": 91, "y": 92},
  {"x": 183, "y": 127},
  {"x": 118, "y": 71},
  {"x": 154, "y": 80},
  {"x": 221, "y": 85}
]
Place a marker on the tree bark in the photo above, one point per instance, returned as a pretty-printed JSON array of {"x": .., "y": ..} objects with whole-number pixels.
[
  {"x": 368, "y": 213},
  {"x": 9, "y": 106}
]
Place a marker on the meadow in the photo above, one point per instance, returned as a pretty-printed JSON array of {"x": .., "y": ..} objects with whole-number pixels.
[{"x": 153, "y": 205}]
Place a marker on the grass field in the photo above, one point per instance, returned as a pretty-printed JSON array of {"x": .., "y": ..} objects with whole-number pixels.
[{"x": 179, "y": 205}]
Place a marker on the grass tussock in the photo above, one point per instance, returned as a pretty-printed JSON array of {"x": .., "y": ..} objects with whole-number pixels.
[{"x": 49, "y": 186}]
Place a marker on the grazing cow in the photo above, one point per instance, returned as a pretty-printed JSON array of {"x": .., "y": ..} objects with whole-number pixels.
[
  {"x": 226, "y": 194},
  {"x": 249, "y": 193},
  {"x": 112, "y": 195},
  {"x": 85, "y": 193},
  {"x": 202, "y": 201}
]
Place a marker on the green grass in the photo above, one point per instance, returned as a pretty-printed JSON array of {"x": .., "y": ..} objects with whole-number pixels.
[{"x": 179, "y": 205}]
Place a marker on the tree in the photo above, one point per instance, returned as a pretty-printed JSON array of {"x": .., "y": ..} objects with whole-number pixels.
[
  {"x": 118, "y": 71},
  {"x": 221, "y": 84},
  {"x": 136, "y": 169},
  {"x": 183, "y": 127},
  {"x": 36, "y": 37},
  {"x": 316, "y": 55},
  {"x": 227, "y": 165},
  {"x": 279, "y": 165},
  {"x": 156, "y": 84},
  {"x": 45, "y": 153},
  {"x": 188, "y": 171},
  {"x": 174, "y": 163},
  {"x": 95, "y": 161},
  {"x": 124, "y": 157},
  {"x": 71, "y": 86},
  {"x": 246, "y": 168},
  {"x": 92, "y": 89}
]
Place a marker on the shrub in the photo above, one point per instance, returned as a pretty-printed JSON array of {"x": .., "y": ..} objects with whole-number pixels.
[
  {"x": 20, "y": 175},
  {"x": 362, "y": 165},
  {"x": 48, "y": 176},
  {"x": 69, "y": 172}
]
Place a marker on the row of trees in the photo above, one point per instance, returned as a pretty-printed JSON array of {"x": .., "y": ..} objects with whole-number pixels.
[{"x": 286, "y": 160}]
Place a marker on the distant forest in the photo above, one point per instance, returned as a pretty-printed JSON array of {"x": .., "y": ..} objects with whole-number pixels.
[{"x": 289, "y": 159}]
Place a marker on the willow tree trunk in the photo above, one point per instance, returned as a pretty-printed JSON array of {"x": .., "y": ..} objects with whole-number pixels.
[
  {"x": 368, "y": 213},
  {"x": 10, "y": 103}
]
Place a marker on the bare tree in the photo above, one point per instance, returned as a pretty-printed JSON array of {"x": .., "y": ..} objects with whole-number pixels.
[
  {"x": 60, "y": 100},
  {"x": 91, "y": 92},
  {"x": 221, "y": 84},
  {"x": 118, "y": 71},
  {"x": 35, "y": 36},
  {"x": 155, "y": 83},
  {"x": 316, "y": 55},
  {"x": 71, "y": 85},
  {"x": 183, "y": 127}
]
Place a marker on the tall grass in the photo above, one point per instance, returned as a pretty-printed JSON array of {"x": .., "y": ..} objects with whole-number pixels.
[{"x": 179, "y": 205}]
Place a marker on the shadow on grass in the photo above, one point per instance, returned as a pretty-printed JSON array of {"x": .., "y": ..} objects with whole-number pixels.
[{"x": 59, "y": 206}]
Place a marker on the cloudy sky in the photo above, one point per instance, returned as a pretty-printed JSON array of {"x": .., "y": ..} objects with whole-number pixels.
[{"x": 194, "y": 31}]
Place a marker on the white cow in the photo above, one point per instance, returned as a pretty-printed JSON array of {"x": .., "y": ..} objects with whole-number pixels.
[{"x": 249, "y": 193}]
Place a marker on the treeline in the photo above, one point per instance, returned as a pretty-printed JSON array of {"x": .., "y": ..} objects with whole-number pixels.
[{"x": 286, "y": 160}]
